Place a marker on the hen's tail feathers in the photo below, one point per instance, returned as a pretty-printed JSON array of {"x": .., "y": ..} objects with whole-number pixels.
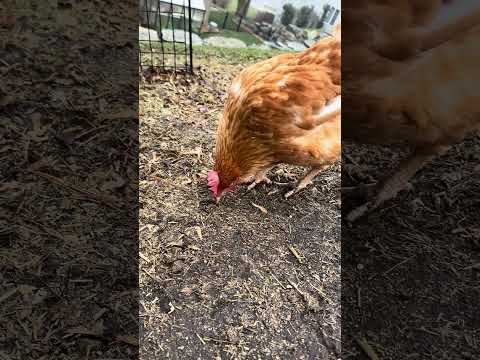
[
  {"x": 332, "y": 109},
  {"x": 450, "y": 31}
]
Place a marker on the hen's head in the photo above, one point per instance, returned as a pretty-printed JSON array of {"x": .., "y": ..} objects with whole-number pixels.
[{"x": 218, "y": 185}]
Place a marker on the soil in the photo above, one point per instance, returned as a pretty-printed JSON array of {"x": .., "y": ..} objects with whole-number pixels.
[
  {"x": 256, "y": 276},
  {"x": 410, "y": 270},
  {"x": 68, "y": 181}
]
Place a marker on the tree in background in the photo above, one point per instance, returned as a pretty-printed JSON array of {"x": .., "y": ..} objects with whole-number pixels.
[
  {"x": 314, "y": 20},
  {"x": 288, "y": 14},
  {"x": 242, "y": 7},
  {"x": 303, "y": 17},
  {"x": 326, "y": 12}
]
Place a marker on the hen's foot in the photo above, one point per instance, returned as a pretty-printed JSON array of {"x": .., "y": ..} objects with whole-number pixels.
[
  {"x": 297, "y": 189},
  {"x": 259, "y": 180},
  {"x": 305, "y": 181},
  {"x": 260, "y": 177}
]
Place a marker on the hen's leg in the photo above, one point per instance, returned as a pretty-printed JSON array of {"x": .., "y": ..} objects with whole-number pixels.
[
  {"x": 398, "y": 180},
  {"x": 306, "y": 180},
  {"x": 260, "y": 177}
]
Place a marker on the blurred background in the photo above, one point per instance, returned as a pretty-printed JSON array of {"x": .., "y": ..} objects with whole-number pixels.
[{"x": 174, "y": 27}]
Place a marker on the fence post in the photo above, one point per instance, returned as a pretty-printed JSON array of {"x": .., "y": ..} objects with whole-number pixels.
[
  {"x": 225, "y": 20},
  {"x": 190, "y": 46}
]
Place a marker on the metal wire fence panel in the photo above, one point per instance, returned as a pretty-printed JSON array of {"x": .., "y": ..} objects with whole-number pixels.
[{"x": 166, "y": 36}]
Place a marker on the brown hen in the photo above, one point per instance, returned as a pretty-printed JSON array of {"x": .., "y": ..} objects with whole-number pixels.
[{"x": 283, "y": 110}]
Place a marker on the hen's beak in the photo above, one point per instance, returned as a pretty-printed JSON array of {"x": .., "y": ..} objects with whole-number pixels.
[{"x": 217, "y": 199}]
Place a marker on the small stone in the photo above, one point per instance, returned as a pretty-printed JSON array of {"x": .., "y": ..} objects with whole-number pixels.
[{"x": 178, "y": 266}]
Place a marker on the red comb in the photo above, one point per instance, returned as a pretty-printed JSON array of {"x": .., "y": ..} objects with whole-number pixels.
[{"x": 213, "y": 181}]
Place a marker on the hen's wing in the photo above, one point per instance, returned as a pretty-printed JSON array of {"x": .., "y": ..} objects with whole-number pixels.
[{"x": 289, "y": 91}]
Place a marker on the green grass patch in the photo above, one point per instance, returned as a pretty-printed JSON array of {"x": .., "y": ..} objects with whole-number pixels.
[
  {"x": 235, "y": 56},
  {"x": 225, "y": 55}
]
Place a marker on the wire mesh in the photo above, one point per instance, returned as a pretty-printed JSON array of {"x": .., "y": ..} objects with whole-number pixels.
[{"x": 166, "y": 46}]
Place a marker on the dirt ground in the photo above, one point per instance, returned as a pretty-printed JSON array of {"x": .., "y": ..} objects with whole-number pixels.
[
  {"x": 410, "y": 270},
  {"x": 229, "y": 281},
  {"x": 68, "y": 181}
]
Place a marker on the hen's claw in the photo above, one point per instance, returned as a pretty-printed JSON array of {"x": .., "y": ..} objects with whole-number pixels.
[
  {"x": 306, "y": 180},
  {"x": 298, "y": 188},
  {"x": 259, "y": 180},
  {"x": 290, "y": 193}
]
